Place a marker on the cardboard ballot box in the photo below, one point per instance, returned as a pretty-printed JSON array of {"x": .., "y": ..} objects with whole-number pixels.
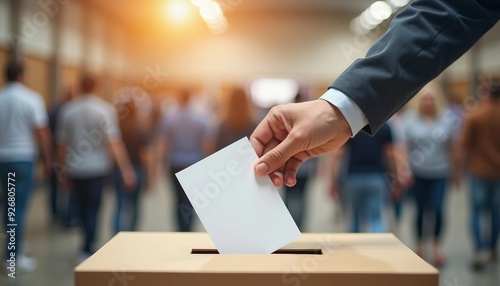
[{"x": 190, "y": 259}]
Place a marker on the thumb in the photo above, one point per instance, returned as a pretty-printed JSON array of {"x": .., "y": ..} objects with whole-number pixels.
[{"x": 276, "y": 157}]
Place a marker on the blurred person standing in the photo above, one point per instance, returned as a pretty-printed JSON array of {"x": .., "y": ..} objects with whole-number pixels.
[
  {"x": 430, "y": 145},
  {"x": 397, "y": 123},
  {"x": 23, "y": 129},
  {"x": 184, "y": 139},
  {"x": 238, "y": 121},
  {"x": 62, "y": 204},
  {"x": 136, "y": 137},
  {"x": 295, "y": 196},
  {"x": 480, "y": 148},
  {"x": 366, "y": 186},
  {"x": 86, "y": 133}
]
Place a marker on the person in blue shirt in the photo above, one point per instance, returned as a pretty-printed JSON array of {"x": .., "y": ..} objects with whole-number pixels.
[{"x": 184, "y": 139}]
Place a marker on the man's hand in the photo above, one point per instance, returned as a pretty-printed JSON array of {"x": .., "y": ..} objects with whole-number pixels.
[
  {"x": 129, "y": 179},
  {"x": 292, "y": 133}
]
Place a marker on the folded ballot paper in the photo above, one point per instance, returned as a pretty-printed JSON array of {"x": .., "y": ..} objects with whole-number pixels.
[{"x": 242, "y": 211}]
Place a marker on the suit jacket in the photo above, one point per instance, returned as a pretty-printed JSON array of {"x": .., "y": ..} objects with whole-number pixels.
[{"x": 422, "y": 40}]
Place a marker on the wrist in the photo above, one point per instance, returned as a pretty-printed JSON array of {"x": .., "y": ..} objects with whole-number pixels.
[
  {"x": 351, "y": 112},
  {"x": 338, "y": 120}
]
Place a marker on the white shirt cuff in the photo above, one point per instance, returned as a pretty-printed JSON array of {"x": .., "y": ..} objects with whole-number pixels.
[{"x": 351, "y": 111}]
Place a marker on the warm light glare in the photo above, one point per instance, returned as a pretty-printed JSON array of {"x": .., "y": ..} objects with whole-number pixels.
[
  {"x": 177, "y": 11},
  {"x": 211, "y": 12},
  {"x": 200, "y": 3},
  {"x": 267, "y": 92},
  {"x": 218, "y": 27}
]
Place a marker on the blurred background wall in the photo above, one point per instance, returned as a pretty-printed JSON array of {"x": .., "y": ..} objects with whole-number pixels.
[{"x": 163, "y": 45}]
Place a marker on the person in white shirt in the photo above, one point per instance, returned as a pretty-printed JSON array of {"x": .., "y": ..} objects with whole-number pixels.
[
  {"x": 86, "y": 133},
  {"x": 23, "y": 130}
]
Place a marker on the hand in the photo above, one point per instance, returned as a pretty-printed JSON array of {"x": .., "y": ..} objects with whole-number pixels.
[
  {"x": 456, "y": 180},
  {"x": 292, "y": 133},
  {"x": 47, "y": 167},
  {"x": 335, "y": 192},
  {"x": 397, "y": 192},
  {"x": 64, "y": 183},
  {"x": 406, "y": 180},
  {"x": 154, "y": 177},
  {"x": 129, "y": 179}
]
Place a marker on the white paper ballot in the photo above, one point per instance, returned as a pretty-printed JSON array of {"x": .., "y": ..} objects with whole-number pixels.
[{"x": 242, "y": 212}]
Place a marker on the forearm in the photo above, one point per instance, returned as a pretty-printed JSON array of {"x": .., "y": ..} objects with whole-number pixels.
[
  {"x": 59, "y": 167},
  {"x": 391, "y": 154},
  {"x": 162, "y": 150},
  {"x": 208, "y": 147},
  {"x": 145, "y": 158},
  {"x": 45, "y": 142},
  {"x": 121, "y": 157},
  {"x": 423, "y": 40},
  {"x": 336, "y": 164},
  {"x": 402, "y": 164}
]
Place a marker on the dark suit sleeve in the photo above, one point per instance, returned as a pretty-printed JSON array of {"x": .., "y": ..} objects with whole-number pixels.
[{"x": 422, "y": 40}]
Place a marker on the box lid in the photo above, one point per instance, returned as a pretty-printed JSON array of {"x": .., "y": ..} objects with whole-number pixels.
[{"x": 166, "y": 255}]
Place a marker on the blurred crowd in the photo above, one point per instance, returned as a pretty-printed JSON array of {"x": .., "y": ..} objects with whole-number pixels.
[{"x": 430, "y": 146}]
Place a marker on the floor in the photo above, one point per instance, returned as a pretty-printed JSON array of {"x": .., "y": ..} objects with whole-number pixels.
[{"x": 56, "y": 247}]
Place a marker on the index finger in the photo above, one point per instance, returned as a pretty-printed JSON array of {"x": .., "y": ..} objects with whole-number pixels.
[{"x": 261, "y": 136}]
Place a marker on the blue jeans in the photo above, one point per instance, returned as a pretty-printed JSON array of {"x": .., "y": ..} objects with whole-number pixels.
[
  {"x": 485, "y": 198},
  {"x": 20, "y": 188},
  {"x": 429, "y": 197},
  {"x": 88, "y": 193},
  {"x": 127, "y": 202},
  {"x": 366, "y": 193}
]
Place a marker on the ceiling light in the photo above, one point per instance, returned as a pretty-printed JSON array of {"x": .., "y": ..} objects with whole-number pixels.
[
  {"x": 380, "y": 10},
  {"x": 399, "y": 3},
  {"x": 367, "y": 21},
  {"x": 200, "y": 3},
  {"x": 211, "y": 12},
  {"x": 177, "y": 11}
]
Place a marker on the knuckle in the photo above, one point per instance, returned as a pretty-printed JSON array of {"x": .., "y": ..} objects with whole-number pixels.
[
  {"x": 275, "y": 110},
  {"x": 276, "y": 157},
  {"x": 298, "y": 136}
]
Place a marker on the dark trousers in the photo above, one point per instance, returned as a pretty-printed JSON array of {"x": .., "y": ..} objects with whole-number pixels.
[
  {"x": 295, "y": 201},
  {"x": 54, "y": 197},
  {"x": 15, "y": 198},
  {"x": 184, "y": 209},
  {"x": 88, "y": 193},
  {"x": 429, "y": 197},
  {"x": 63, "y": 205}
]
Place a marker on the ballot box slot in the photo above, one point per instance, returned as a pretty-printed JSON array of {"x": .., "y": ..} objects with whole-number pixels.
[{"x": 309, "y": 251}]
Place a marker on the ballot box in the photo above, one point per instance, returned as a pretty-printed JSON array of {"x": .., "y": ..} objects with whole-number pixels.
[{"x": 190, "y": 259}]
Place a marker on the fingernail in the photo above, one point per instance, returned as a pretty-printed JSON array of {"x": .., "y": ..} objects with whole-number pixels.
[
  {"x": 261, "y": 168},
  {"x": 276, "y": 182},
  {"x": 290, "y": 182}
]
